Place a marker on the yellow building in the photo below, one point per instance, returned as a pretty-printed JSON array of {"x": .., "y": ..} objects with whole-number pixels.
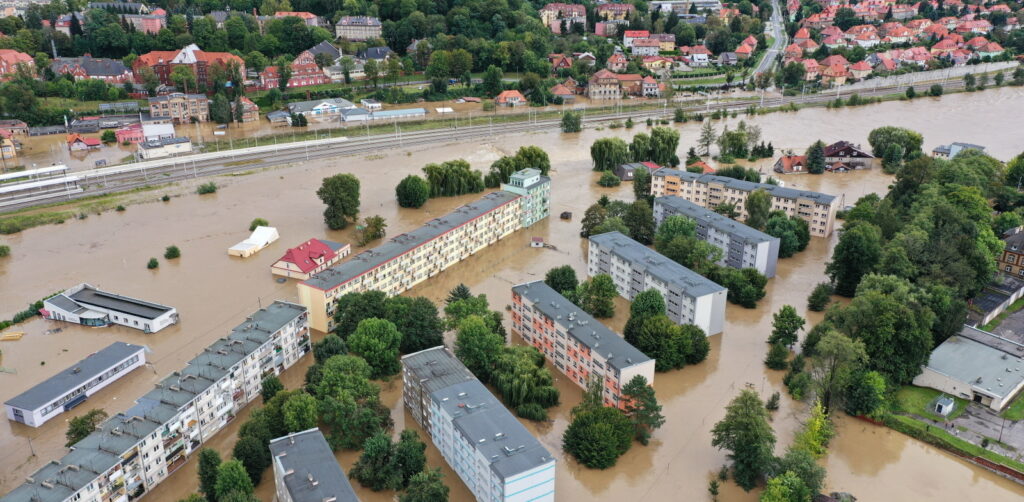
[
  {"x": 408, "y": 259},
  {"x": 7, "y": 150},
  {"x": 708, "y": 190}
]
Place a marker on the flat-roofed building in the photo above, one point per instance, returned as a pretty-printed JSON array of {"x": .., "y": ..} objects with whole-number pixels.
[
  {"x": 87, "y": 305},
  {"x": 305, "y": 470},
  {"x": 742, "y": 246},
  {"x": 690, "y": 298},
  {"x": 74, "y": 385},
  {"x": 977, "y": 366},
  {"x": 577, "y": 344},
  {"x": 536, "y": 191},
  {"x": 709, "y": 190},
  {"x": 410, "y": 258},
  {"x": 136, "y": 450},
  {"x": 491, "y": 451}
]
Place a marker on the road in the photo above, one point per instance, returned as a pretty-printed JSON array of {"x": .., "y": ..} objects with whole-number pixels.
[{"x": 777, "y": 29}]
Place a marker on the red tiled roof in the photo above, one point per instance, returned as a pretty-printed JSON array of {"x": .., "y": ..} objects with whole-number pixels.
[
  {"x": 861, "y": 66},
  {"x": 637, "y": 33},
  {"x": 560, "y": 90},
  {"x": 304, "y": 254},
  {"x": 505, "y": 96}
]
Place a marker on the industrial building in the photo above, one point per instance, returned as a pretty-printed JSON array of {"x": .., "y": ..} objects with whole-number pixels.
[
  {"x": 977, "y": 366},
  {"x": 742, "y": 246},
  {"x": 491, "y": 451},
  {"x": 136, "y": 450},
  {"x": 577, "y": 344},
  {"x": 305, "y": 470},
  {"x": 72, "y": 386},
  {"x": 89, "y": 306},
  {"x": 690, "y": 298},
  {"x": 408, "y": 259}
]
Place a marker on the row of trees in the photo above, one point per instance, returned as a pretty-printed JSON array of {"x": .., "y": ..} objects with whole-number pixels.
[
  {"x": 456, "y": 178},
  {"x": 658, "y": 147},
  {"x": 598, "y": 435},
  {"x": 650, "y": 330}
]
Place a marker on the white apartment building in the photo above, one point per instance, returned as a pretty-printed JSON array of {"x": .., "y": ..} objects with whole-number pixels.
[
  {"x": 305, "y": 470},
  {"x": 491, "y": 451},
  {"x": 408, "y": 259},
  {"x": 742, "y": 246},
  {"x": 74, "y": 385},
  {"x": 690, "y": 298},
  {"x": 135, "y": 450},
  {"x": 89, "y": 306},
  {"x": 709, "y": 190},
  {"x": 574, "y": 342}
]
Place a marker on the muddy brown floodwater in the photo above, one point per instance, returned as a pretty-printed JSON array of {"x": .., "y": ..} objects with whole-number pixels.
[{"x": 213, "y": 292}]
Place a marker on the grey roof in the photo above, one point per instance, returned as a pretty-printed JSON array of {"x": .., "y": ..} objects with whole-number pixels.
[
  {"x": 277, "y": 115},
  {"x": 74, "y": 376},
  {"x": 325, "y": 47},
  {"x": 401, "y": 112},
  {"x": 655, "y": 264},
  {"x": 94, "y": 67},
  {"x": 748, "y": 186},
  {"x": 89, "y": 295},
  {"x": 1014, "y": 239},
  {"x": 161, "y": 142},
  {"x": 436, "y": 368},
  {"x": 401, "y": 244},
  {"x": 219, "y": 16},
  {"x": 67, "y": 304},
  {"x": 970, "y": 358},
  {"x": 353, "y": 112},
  {"x": 305, "y": 106},
  {"x": 335, "y": 246},
  {"x": 736, "y": 230},
  {"x": 358, "y": 21},
  {"x": 374, "y": 53},
  {"x": 491, "y": 429},
  {"x": 315, "y": 475},
  {"x": 583, "y": 327}
]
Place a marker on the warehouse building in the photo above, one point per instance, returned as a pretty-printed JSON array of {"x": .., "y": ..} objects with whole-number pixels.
[{"x": 89, "y": 306}]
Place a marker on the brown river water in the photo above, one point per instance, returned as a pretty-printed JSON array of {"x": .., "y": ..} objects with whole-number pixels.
[{"x": 213, "y": 292}]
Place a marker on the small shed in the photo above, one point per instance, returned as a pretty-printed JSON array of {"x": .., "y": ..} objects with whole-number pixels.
[
  {"x": 944, "y": 405},
  {"x": 537, "y": 242},
  {"x": 260, "y": 238}
]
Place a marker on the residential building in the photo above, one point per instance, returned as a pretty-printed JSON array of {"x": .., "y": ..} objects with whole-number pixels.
[
  {"x": 77, "y": 143},
  {"x": 1011, "y": 260},
  {"x": 791, "y": 164},
  {"x": 324, "y": 47},
  {"x": 378, "y": 54},
  {"x": 848, "y": 155},
  {"x": 358, "y": 28},
  {"x": 645, "y": 47},
  {"x": 72, "y": 386},
  {"x": 618, "y": 11},
  {"x": 511, "y": 98},
  {"x": 554, "y": 15},
  {"x": 305, "y": 469},
  {"x": 690, "y": 298},
  {"x": 742, "y": 246},
  {"x": 150, "y": 24},
  {"x": 309, "y": 18},
  {"x": 132, "y": 452},
  {"x": 112, "y": 71},
  {"x": 408, "y": 259},
  {"x": 164, "y": 147},
  {"x": 180, "y": 108},
  {"x": 310, "y": 257},
  {"x": 631, "y": 36},
  {"x": 625, "y": 172},
  {"x": 304, "y": 72},
  {"x": 491, "y": 451},
  {"x": 709, "y": 190},
  {"x": 250, "y": 110},
  {"x": 89, "y": 306},
  {"x": 200, "y": 62},
  {"x": 604, "y": 85},
  {"x": 564, "y": 93},
  {"x": 8, "y": 149},
  {"x": 535, "y": 190},
  {"x": 317, "y": 107},
  {"x": 11, "y": 59},
  {"x": 977, "y": 366},
  {"x": 577, "y": 344},
  {"x": 953, "y": 149}
]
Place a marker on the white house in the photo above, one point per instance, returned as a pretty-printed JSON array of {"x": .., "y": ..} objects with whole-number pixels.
[
  {"x": 320, "y": 107},
  {"x": 89, "y": 306},
  {"x": 260, "y": 238},
  {"x": 165, "y": 147}
]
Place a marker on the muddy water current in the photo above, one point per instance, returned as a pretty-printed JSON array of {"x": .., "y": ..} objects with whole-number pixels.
[{"x": 213, "y": 292}]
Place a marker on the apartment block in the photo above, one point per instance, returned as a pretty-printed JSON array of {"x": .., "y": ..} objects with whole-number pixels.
[
  {"x": 574, "y": 342},
  {"x": 136, "y": 450},
  {"x": 491, "y": 451},
  {"x": 72, "y": 386},
  {"x": 358, "y": 28},
  {"x": 536, "y": 192},
  {"x": 709, "y": 190},
  {"x": 690, "y": 298},
  {"x": 180, "y": 108},
  {"x": 408, "y": 259},
  {"x": 742, "y": 246},
  {"x": 305, "y": 470}
]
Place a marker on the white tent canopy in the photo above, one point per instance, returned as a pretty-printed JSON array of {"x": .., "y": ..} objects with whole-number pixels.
[{"x": 260, "y": 238}]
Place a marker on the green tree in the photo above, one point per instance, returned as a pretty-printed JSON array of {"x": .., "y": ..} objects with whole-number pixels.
[
  {"x": 910, "y": 93},
  {"x": 377, "y": 341},
  {"x": 820, "y": 297},
  {"x": 593, "y": 217},
  {"x": 805, "y": 466},
  {"x": 108, "y": 136},
  {"x": 409, "y": 456},
  {"x": 183, "y": 79},
  {"x": 639, "y": 220},
  {"x": 935, "y": 90},
  {"x": 747, "y": 436},
  {"x": 477, "y": 346},
  {"x": 561, "y": 279},
  {"x": 642, "y": 184},
  {"x": 254, "y": 456},
  {"x": 341, "y": 195},
  {"x": 347, "y": 65},
  {"x": 426, "y": 486},
  {"x": 220, "y": 109},
  {"x": 609, "y": 179},
  {"x": 642, "y": 408},
  {"x": 865, "y": 393},
  {"x": 777, "y": 357},
  {"x": 598, "y": 437},
  {"x": 836, "y": 358},
  {"x": 492, "y": 85},
  {"x": 646, "y": 304},
  {"x": 786, "y": 324},
  {"x": 816, "y": 158},
  {"x": 882, "y": 137},
  {"x": 269, "y": 388},
  {"x": 209, "y": 461},
  {"x": 784, "y": 227},
  {"x": 856, "y": 254},
  {"x": 595, "y": 296},
  {"x": 232, "y": 477},
  {"x": 707, "y": 137},
  {"x": 413, "y": 191},
  {"x": 353, "y": 308},
  {"x": 376, "y": 468},
  {"x": 571, "y": 122},
  {"x": 372, "y": 70},
  {"x": 330, "y": 345},
  {"x": 300, "y": 412},
  {"x": 418, "y": 322},
  {"x": 374, "y": 228},
  {"x": 258, "y": 222},
  {"x": 674, "y": 226},
  {"x": 172, "y": 252},
  {"x": 609, "y": 153},
  {"x": 759, "y": 205},
  {"x": 816, "y": 432},
  {"x": 786, "y": 487},
  {"x": 80, "y": 427},
  {"x": 460, "y": 292}
]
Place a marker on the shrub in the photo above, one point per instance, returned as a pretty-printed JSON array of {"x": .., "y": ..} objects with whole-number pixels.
[
  {"x": 820, "y": 297},
  {"x": 629, "y": 122},
  {"x": 798, "y": 385},
  {"x": 172, "y": 252},
  {"x": 166, "y": 198},
  {"x": 5, "y": 251},
  {"x": 258, "y": 222},
  {"x": 152, "y": 264},
  {"x": 608, "y": 179},
  {"x": 571, "y": 122},
  {"x": 777, "y": 356},
  {"x": 532, "y": 411},
  {"x": 935, "y": 90},
  {"x": 773, "y": 402},
  {"x": 206, "y": 188},
  {"x": 119, "y": 208},
  {"x": 108, "y": 136}
]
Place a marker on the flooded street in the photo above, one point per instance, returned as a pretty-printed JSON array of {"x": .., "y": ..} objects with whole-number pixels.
[{"x": 213, "y": 292}]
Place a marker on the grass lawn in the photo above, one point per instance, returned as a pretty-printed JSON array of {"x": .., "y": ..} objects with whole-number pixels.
[
  {"x": 937, "y": 436},
  {"x": 1016, "y": 409},
  {"x": 1015, "y": 306},
  {"x": 916, "y": 400}
]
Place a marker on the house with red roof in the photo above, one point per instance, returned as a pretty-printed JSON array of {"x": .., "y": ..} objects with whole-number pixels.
[
  {"x": 650, "y": 87},
  {"x": 801, "y": 35},
  {"x": 835, "y": 74},
  {"x": 992, "y": 49},
  {"x": 809, "y": 45},
  {"x": 510, "y": 98},
  {"x": 935, "y": 32},
  {"x": 792, "y": 52},
  {"x": 630, "y": 35},
  {"x": 561, "y": 91},
  {"x": 867, "y": 40},
  {"x": 976, "y": 43},
  {"x": 700, "y": 55},
  {"x": 310, "y": 257},
  {"x": 811, "y": 69},
  {"x": 860, "y": 69},
  {"x": 309, "y": 18},
  {"x": 554, "y": 15},
  {"x": 9, "y": 61},
  {"x": 704, "y": 167},
  {"x": 617, "y": 62},
  {"x": 791, "y": 164},
  {"x": 885, "y": 63},
  {"x": 304, "y": 72},
  {"x": 750, "y": 41},
  {"x": 831, "y": 31},
  {"x": 77, "y": 143},
  {"x": 200, "y": 62},
  {"x": 646, "y": 47},
  {"x": 744, "y": 51},
  {"x": 835, "y": 42}
]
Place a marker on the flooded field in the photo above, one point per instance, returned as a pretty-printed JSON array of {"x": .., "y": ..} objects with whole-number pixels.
[{"x": 213, "y": 292}]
